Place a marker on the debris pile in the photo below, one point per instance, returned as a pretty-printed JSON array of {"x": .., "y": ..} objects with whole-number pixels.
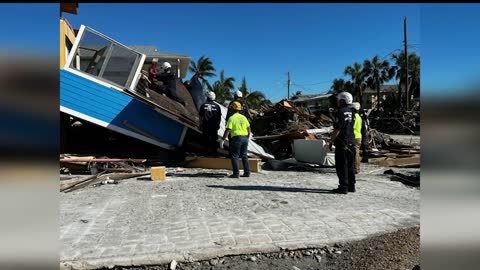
[
  {"x": 81, "y": 164},
  {"x": 385, "y": 151},
  {"x": 396, "y": 122},
  {"x": 284, "y": 117},
  {"x": 277, "y": 126}
]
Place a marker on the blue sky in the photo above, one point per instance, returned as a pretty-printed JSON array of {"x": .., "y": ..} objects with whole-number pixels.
[
  {"x": 263, "y": 41},
  {"x": 451, "y": 46}
]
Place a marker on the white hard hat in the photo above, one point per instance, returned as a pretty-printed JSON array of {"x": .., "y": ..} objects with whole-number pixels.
[
  {"x": 356, "y": 106},
  {"x": 164, "y": 66},
  {"x": 211, "y": 95},
  {"x": 239, "y": 94},
  {"x": 346, "y": 96}
]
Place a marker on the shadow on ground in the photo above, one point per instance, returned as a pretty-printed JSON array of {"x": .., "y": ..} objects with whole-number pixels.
[{"x": 273, "y": 188}]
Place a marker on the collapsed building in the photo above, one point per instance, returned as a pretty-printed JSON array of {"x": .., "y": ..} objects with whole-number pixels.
[{"x": 104, "y": 86}]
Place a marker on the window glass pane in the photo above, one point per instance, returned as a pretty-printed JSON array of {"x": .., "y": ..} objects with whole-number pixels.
[
  {"x": 119, "y": 65},
  {"x": 106, "y": 59},
  {"x": 92, "y": 50}
]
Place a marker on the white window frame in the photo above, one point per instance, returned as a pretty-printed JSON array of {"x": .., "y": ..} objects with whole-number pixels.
[{"x": 131, "y": 82}]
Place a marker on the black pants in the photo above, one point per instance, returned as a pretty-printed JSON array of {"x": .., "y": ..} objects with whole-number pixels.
[
  {"x": 169, "y": 92},
  {"x": 211, "y": 137},
  {"x": 363, "y": 147},
  {"x": 344, "y": 165}
]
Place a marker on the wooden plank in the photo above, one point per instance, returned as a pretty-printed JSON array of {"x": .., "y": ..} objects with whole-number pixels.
[
  {"x": 399, "y": 161},
  {"x": 374, "y": 160},
  {"x": 221, "y": 163},
  {"x": 82, "y": 183},
  {"x": 101, "y": 160},
  {"x": 101, "y": 177},
  {"x": 405, "y": 151}
]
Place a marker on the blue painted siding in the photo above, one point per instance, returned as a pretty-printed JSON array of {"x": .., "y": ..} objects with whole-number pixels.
[{"x": 113, "y": 107}]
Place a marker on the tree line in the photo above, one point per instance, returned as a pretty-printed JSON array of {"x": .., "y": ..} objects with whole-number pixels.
[
  {"x": 224, "y": 87},
  {"x": 371, "y": 74},
  {"x": 375, "y": 72}
]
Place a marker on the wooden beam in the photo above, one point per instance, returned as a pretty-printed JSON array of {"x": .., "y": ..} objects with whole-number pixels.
[
  {"x": 101, "y": 160},
  {"x": 377, "y": 159},
  {"x": 399, "y": 161},
  {"x": 221, "y": 163},
  {"x": 69, "y": 7}
]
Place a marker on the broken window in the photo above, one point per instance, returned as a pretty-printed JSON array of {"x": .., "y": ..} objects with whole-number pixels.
[{"x": 106, "y": 59}]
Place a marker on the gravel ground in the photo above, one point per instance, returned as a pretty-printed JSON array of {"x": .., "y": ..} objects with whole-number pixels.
[{"x": 396, "y": 250}]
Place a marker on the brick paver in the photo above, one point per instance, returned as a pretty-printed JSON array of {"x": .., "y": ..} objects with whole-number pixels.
[{"x": 142, "y": 222}]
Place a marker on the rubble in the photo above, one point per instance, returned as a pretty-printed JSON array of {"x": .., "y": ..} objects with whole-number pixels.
[
  {"x": 277, "y": 126},
  {"x": 397, "y": 122},
  {"x": 93, "y": 164},
  {"x": 385, "y": 151},
  {"x": 111, "y": 178}
]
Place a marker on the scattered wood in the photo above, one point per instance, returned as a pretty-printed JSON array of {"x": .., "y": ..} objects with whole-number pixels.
[
  {"x": 96, "y": 164},
  {"x": 399, "y": 161},
  {"x": 220, "y": 163},
  {"x": 375, "y": 160},
  {"x": 92, "y": 180},
  {"x": 93, "y": 159},
  {"x": 81, "y": 183}
]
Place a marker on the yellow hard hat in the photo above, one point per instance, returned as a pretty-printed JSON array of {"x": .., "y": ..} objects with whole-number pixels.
[{"x": 236, "y": 106}]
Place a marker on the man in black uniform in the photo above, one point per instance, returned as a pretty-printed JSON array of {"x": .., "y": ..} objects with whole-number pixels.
[
  {"x": 344, "y": 141},
  {"x": 365, "y": 128},
  {"x": 169, "y": 80},
  {"x": 238, "y": 97},
  {"x": 210, "y": 117}
]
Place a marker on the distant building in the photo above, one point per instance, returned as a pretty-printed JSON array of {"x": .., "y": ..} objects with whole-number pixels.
[
  {"x": 319, "y": 102},
  {"x": 312, "y": 103},
  {"x": 370, "y": 95}
]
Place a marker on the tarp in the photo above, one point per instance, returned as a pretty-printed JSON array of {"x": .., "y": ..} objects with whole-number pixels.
[
  {"x": 196, "y": 90},
  {"x": 253, "y": 148}
]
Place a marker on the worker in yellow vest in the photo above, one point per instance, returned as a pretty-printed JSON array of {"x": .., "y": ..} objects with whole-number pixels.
[
  {"x": 357, "y": 132},
  {"x": 239, "y": 129}
]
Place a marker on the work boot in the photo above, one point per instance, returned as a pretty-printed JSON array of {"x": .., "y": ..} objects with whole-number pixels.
[
  {"x": 351, "y": 189},
  {"x": 234, "y": 176},
  {"x": 245, "y": 175},
  {"x": 340, "y": 191}
]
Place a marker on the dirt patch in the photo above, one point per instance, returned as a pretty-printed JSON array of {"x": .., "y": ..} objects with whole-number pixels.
[{"x": 396, "y": 250}]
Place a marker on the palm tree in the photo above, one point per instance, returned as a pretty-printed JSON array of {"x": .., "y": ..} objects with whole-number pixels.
[
  {"x": 413, "y": 73},
  {"x": 357, "y": 75},
  {"x": 377, "y": 72},
  {"x": 340, "y": 85},
  {"x": 243, "y": 87},
  {"x": 256, "y": 99},
  {"x": 253, "y": 99},
  {"x": 202, "y": 69},
  {"x": 222, "y": 87}
]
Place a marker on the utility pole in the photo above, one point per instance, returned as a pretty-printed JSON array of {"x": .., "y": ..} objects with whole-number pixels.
[
  {"x": 288, "y": 86},
  {"x": 407, "y": 96}
]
